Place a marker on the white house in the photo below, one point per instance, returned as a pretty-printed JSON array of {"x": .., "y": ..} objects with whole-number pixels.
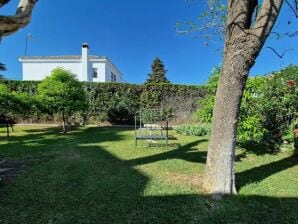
[{"x": 89, "y": 68}]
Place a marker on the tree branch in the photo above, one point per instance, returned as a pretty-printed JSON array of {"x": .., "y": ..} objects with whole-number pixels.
[
  {"x": 280, "y": 55},
  {"x": 3, "y": 2},
  {"x": 267, "y": 16},
  {"x": 242, "y": 16},
  {"x": 293, "y": 8},
  {"x": 11, "y": 24}
]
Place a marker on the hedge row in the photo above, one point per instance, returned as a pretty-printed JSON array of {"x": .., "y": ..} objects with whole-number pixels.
[{"x": 118, "y": 102}]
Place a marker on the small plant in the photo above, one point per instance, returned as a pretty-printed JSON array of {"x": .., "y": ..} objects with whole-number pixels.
[
  {"x": 193, "y": 130},
  {"x": 290, "y": 137}
]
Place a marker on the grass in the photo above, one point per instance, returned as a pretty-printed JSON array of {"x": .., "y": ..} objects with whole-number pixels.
[{"x": 95, "y": 175}]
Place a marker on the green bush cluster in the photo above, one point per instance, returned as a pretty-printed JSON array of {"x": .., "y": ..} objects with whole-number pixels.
[
  {"x": 117, "y": 103},
  {"x": 268, "y": 110},
  {"x": 193, "y": 130}
]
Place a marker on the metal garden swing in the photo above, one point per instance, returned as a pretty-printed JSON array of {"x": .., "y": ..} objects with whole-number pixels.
[{"x": 151, "y": 125}]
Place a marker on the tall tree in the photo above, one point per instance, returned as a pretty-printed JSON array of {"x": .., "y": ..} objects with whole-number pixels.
[
  {"x": 158, "y": 74},
  {"x": 246, "y": 34},
  {"x": 61, "y": 93}
]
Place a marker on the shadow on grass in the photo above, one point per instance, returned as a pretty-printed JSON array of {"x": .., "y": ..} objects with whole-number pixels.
[
  {"x": 84, "y": 183},
  {"x": 259, "y": 148},
  {"x": 186, "y": 152},
  {"x": 259, "y": 173}
]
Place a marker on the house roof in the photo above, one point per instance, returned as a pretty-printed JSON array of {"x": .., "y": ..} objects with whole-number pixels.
[{"x": 61, "y": 57}]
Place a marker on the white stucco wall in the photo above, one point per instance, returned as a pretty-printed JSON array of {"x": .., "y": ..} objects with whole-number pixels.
[
  {"x": 39, "y": 67},
  {"x": 110, "y": 68},
  {"x": 33, "y": 70},
  {"x": 101, "y": 69},
  {"x": 38, "y": 70}
]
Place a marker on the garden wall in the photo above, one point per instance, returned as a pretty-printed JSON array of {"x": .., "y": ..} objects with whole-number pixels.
[{"x": 117, "y": 103}]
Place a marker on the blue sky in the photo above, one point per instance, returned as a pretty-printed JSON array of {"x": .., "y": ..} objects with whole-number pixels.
[{"x": 131, "y": 33}]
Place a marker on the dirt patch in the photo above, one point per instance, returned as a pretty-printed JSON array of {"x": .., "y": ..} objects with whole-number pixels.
[
  {"x": 178, "y": 178},
  {"x": 10, "y": 169}
]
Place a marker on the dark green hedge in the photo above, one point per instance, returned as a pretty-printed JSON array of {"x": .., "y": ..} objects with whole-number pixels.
[{"x": 118, "y": 102}]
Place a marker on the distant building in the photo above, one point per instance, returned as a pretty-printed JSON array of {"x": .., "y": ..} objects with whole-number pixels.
[{"x": 89, "y": 68}]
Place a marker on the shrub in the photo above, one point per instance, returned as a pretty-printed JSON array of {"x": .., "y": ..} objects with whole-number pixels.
[
  {"x": 280, "y": 102},
  {"x": 206, "y": 104},
  {"x": 193, "y": 130},
  {"x": 268, "y": 108},
  {"x": 12, "y": 105},
  {"x": 251, "y": 118}
]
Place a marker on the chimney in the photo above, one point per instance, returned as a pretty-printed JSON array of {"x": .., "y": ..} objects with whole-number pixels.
[{"x": 85, "y": 62}]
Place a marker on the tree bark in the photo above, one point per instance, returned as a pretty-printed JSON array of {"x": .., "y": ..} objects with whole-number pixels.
[
  {"x": 7, "y": 129},
  {"x": 64, "y": 125},
  {"x": 22, "y": 17},
  {"x": 244, "y": 41}
]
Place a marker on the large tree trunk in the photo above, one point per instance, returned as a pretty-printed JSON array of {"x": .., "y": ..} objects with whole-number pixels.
[{"x": 242, "y": 46}]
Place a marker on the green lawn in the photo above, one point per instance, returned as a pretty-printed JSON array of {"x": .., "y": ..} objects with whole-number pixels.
[{"x": 95, "y": 175}]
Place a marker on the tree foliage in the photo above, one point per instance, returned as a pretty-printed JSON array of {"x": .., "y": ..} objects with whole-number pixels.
[
  {"x": 123, "y": 108},
  {"x": 158, "y": 74},
  {"x": 210, "y": 26},
  {"x": 268, "y": 109},
  {"x": 281, "y": 100},
  {"x": 206, "y": 104},
  {"x": 62, "y": 93},
  {"x": 12, "y": 104},
  {"x": 108, "y": 100}
]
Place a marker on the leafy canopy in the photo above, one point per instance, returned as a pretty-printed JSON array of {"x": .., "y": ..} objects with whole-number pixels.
[
  {"x": 61, "y": 92},
  {"x": 12, "y": 104},
  {"x": 268, "y": 107}
]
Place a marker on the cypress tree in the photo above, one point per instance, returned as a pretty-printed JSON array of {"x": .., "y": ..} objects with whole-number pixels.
[{"x": 158, "y": 74}]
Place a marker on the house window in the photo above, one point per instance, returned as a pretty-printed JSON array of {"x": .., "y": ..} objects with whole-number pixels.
[
  {"x": 113, "y": 77},
  {"x": 95, "y": 74}
]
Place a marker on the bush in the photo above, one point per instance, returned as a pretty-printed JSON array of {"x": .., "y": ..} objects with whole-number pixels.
[
  {"x": 193, "y": 130},
  {"x": 251, "y": 118},
  {"x": 206, "y": 104},
  {"x": 268, "y": 107},
  {"x": 296, "y": 145},
  {"x": 12, "y": 105}
]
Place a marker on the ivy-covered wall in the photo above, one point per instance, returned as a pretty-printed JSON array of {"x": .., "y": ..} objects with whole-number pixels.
[{"x": 117, "y": 102}]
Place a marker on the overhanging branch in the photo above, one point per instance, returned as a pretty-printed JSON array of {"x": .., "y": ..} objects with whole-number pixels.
[
  {"x": 11, "y": 24},
  {"x": 3, "y": 2},
  {"x": 293, "y": 8}
]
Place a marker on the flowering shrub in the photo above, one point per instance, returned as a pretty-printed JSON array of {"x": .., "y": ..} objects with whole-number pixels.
[{"x": 268, "y": 108}]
